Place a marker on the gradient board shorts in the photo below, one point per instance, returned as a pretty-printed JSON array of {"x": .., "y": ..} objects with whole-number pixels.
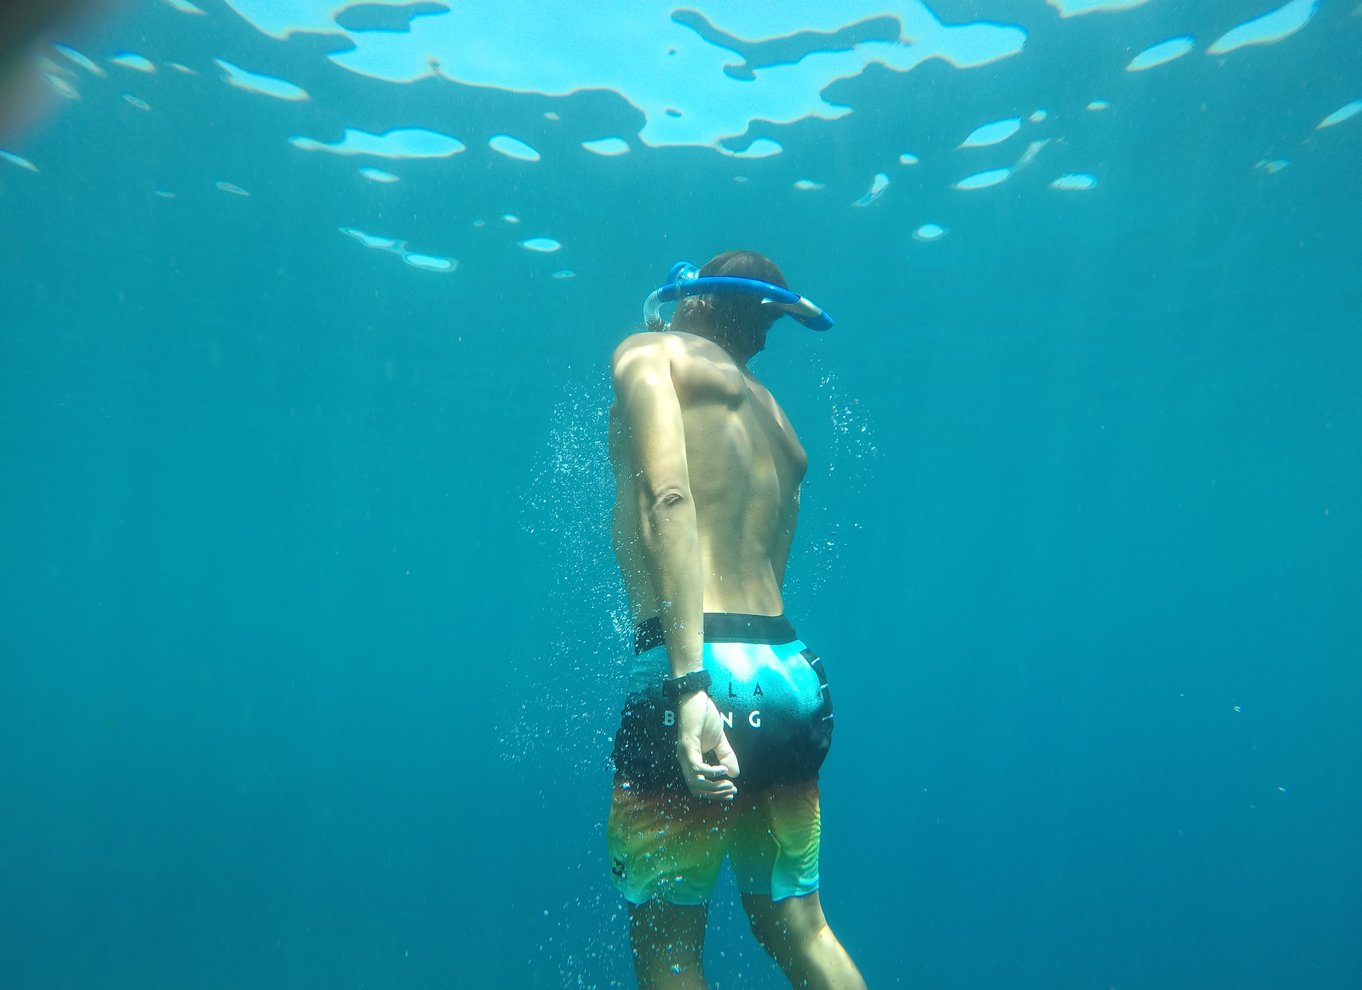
[{"x": 773, "y": 695}]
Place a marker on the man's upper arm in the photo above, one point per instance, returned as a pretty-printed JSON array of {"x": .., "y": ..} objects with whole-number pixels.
[{"x": 651, "y": 410}]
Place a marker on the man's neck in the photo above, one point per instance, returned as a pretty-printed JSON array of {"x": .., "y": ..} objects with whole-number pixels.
[{"x": 719, "y": 339}]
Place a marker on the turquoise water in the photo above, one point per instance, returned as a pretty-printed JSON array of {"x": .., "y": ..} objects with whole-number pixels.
[{"x": 313, "y": 644}]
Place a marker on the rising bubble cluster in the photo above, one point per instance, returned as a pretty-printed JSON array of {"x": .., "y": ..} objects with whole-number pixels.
[
  {"x": 834, "y": 484},
  {"x": 566, "y": 509}
]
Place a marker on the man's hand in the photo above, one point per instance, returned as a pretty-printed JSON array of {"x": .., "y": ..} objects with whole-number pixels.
[{"x": 699, "y": 730}]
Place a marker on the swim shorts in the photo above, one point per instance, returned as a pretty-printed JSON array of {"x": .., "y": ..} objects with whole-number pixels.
[{"x": 772, "y": 693}]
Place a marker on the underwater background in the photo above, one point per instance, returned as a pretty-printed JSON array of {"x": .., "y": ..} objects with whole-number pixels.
[{"x": 312, "y": 639}]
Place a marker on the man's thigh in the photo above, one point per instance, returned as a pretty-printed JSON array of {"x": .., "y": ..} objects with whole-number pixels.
[
  {"x": 665, "y": 844},
  {"x": 777, "y": 841}
]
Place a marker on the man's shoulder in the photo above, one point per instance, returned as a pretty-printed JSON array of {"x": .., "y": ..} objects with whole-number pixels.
[
  {"x": 697, "y": 368},
  {"x": 640, "y": 354},
  {"x": 677, "y": 349},
  {"x": 643, "y": 343}
]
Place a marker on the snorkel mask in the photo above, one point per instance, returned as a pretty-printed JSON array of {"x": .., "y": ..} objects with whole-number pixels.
[{"x": 685, "y": 279}]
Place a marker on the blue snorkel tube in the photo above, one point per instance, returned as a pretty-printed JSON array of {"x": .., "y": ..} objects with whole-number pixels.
[{"x": 684, "y": 280}]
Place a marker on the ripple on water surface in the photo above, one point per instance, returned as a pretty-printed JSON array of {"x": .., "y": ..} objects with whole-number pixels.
[
  {"x": 405, "y": 142},
  {"x": 256, "y": 82},
  {"x": 513, "y": 148}
]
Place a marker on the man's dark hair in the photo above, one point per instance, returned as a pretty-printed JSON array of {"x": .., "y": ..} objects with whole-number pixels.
[{"x": 740, "y": 315}]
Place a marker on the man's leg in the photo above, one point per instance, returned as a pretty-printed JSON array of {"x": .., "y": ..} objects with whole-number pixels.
[
  {"x": 797, "y": 936},
  {"x": 668, "y": 940}
]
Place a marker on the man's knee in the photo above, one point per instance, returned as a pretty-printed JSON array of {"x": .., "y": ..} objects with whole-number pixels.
[
  {"x": 662, "y": 953},
  {"x": 786, "y": 928},
  {"x": 767, "y": 931},
  {"x": 668, "y": 940},
  {"x": 659, "y": 963}
]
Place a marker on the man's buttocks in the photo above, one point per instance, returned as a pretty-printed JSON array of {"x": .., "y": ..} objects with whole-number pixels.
[{"x": 769, "y": 688}]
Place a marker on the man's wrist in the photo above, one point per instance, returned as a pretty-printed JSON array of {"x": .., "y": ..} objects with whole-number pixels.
[{"x": 676, "y": 688}]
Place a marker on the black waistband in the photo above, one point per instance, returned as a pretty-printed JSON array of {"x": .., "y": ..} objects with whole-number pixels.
[{"x": 723, "y": 627}]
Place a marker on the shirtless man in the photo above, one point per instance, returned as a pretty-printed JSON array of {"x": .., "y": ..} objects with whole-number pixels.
[{"x": 727, "y": 717}]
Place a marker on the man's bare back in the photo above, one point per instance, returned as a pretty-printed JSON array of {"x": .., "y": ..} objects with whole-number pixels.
[{"x": 743, "y": 463}]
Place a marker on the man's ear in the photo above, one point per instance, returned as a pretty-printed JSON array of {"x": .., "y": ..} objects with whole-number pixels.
[{"x": 693, "y": 309}]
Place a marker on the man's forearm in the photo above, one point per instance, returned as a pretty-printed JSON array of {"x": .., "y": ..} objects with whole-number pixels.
[{"x": 671, "y": 544}]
